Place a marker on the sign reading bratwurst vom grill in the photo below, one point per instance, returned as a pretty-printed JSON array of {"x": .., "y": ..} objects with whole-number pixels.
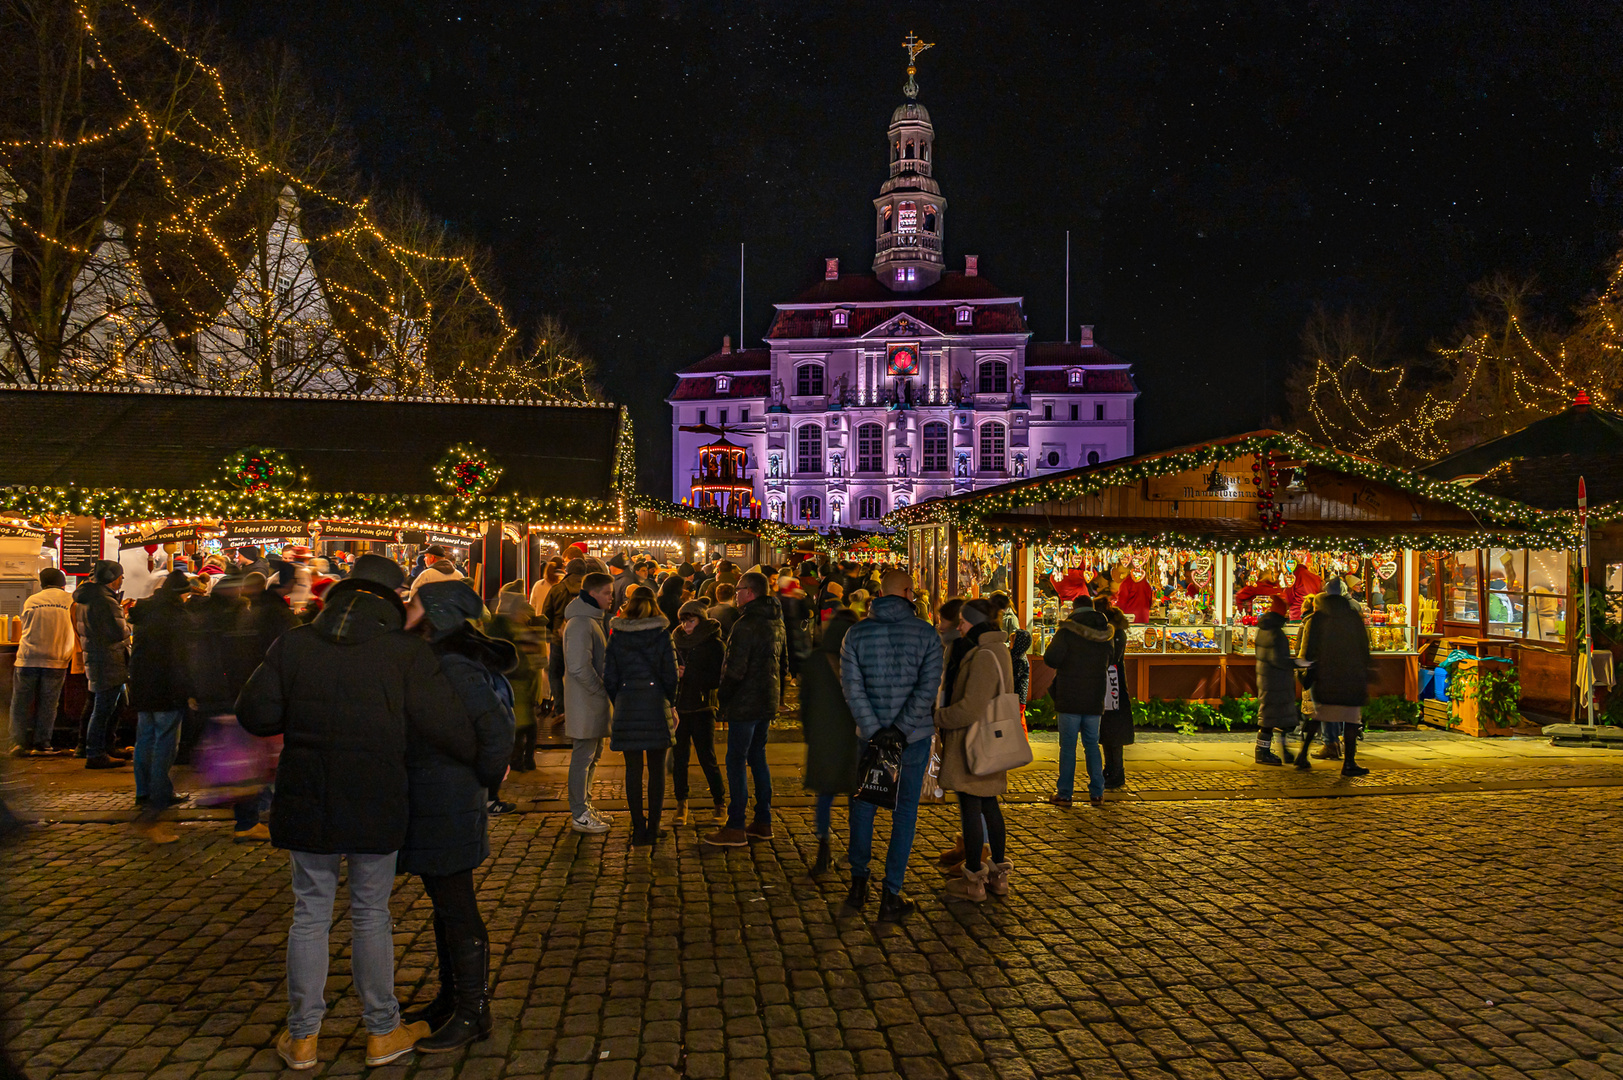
[{"x": 357, "y": 530}]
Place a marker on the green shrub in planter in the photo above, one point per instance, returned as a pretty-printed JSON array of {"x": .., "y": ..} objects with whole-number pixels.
[
  {"x": 1391, "y": 711},
  {"x": 1041, "y": 715}
]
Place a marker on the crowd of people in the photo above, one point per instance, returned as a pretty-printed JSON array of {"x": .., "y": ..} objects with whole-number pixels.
[{"x": 390, "y": 706}]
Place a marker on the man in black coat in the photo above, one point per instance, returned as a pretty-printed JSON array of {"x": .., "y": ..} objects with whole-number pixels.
[
  {"x": 159, "y": 686},
  {"x": 1335, "y": 644},
  {"x": 752, "y": 679},
  {"x": 348, "y": 694}
]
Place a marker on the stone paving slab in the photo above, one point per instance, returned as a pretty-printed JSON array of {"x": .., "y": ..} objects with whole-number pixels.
[{"x": 1456, "y": 936}]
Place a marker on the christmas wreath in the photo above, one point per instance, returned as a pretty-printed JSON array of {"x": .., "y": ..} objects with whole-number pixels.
[
  {"x": 467, "y": 470},
  {"x": 259, "y": 468}
]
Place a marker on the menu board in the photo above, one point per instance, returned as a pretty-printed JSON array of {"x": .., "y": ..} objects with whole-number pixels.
[{"x": 81, "y": 545}]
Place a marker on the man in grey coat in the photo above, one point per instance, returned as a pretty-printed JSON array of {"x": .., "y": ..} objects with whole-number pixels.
[
  {"x": 586, "y": 701},
  {"x": 890, "y": 669}
]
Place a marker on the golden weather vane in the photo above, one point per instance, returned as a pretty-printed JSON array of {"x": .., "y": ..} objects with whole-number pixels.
[{"x": 914, "y": 45}]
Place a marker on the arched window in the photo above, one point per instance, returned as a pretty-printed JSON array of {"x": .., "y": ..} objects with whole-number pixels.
[
  {"x": 809, "y": 380},
  {"x": 870, "y": 448},
  {"x": 868, "y": 508},
  {"x": 935, "y": 447},
  {"x": 896, "y": 150},
  {"x": 1093, "y": 457},
  {"x": 774, "y": 509},
  {"x": 811, "y": 508},
  {"x": 992, "y": 445},
  {"x": 909, "y": 154},
  {"x": 924, "y": 151},
  {"x": 929, "y": 218},
  {"x": 907, "y": 217},
  {"x": 884, "y": 220},
  {"x": 994, "y": 377},
  {"x": 809, "y": 449}
]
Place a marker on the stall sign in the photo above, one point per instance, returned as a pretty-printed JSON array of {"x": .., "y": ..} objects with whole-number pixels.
[
  {"x": 445, "y": 539},
  {"x": 22, "y": 530},
  {"x": 260, "y": 533},
  {"x": 1194, "y": 485},
  {"x": 81, "y": 545},
  {"x": 737, "y": 551},
  {"x": 354, "y": 530},
  {"x": 169, "y": 534}
]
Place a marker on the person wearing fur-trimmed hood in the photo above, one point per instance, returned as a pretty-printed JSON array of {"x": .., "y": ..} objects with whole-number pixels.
[{"x": 640, "y": 677}]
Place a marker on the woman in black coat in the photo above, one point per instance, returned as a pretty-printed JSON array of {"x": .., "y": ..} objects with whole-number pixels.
[
  {"x": 447, "y": 833},
  {"x": 1116, "y": 725},
  {"x": 639, "y": 674},
  {"x": 1276, "y": 686},
  {"x": 699, "y": 656}
]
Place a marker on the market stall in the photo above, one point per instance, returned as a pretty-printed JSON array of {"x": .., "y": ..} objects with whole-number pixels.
[{"x": 1193, "y": 543}]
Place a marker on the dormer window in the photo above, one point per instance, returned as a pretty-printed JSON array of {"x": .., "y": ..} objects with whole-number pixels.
[
  {"x": 842, "y": 317},
  {"x": 966, "y": 315},
  {"x": 1073, "y": 377},
  {"x": 905, "y": 273},
  {"x": 722, "y": 382}
]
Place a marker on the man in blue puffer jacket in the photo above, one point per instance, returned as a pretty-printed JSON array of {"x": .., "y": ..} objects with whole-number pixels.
[{"x": 890, "y": 669}]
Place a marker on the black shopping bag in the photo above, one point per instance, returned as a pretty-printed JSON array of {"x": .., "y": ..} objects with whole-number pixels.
[{"x": 882, "y": 769}]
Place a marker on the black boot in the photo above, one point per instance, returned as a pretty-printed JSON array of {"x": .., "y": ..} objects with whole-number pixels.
[
  {"x": 857, "y": 898},
  {"x": 894, "y": 907},
  {"x": 439, "y": 1010},
  {"x": 1349, "y": 767},
  {"x": 1265, "y": 748},
  {"x": 471, "y": 1020},
  {"x": 820, "y": 867},
  {"x": 1285, "y": 748}
]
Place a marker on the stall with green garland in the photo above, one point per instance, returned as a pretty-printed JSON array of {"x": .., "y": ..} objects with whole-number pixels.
[
  {"x": 1195, "y": 542},
  {"x": 191, "y": 470}
]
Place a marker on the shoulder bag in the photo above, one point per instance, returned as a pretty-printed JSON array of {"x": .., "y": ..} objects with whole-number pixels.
[{"x": 997, "y": 741}]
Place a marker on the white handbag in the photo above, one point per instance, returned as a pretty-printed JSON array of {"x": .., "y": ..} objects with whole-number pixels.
[{"x": 997, "y": 741}]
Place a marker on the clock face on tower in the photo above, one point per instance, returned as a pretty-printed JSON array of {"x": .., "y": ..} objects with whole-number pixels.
[{"x": 904, "y": 359}]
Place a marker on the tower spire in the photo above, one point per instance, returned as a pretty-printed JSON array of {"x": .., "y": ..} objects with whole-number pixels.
[{"x": 914, "y": 45}]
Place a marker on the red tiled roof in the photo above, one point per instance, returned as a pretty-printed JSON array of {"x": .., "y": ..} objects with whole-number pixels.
[
  {"x": 867, "y": 289},
  {"x": 722, "y": 363},
  {"x": 989, "y": 319},
  {"x": 1060, "y": 354},
  {"x": 744, "y": 386},
  {"x": 1109, "y": 381}
]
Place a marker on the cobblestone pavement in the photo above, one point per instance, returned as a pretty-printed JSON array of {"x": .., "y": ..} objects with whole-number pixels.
[{"x": 1453, "y": 935}]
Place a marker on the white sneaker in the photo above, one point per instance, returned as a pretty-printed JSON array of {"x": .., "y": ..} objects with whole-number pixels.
[
  {"x": 606, "y": 822},
  {"x": 586, "y": 823}
]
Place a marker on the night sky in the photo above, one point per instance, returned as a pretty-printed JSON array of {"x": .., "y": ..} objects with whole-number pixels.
[{"x": 1221, "y": 168}]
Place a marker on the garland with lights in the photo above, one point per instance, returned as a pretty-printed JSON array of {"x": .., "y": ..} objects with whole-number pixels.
[
  {"x": 1502, "y": 522},
  {"x": 466, "y": 470},
  {"x": 773, "y": 532},
  {"x": 259, "y": 468},
  {"x": 126, "y": 504}
]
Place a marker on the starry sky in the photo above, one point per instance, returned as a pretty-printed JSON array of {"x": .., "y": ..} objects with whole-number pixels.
[{"x": 1221, "y": 168}]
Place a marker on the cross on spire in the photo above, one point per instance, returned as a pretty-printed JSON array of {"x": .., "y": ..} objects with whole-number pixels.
[{"x": 914, "y": 45}]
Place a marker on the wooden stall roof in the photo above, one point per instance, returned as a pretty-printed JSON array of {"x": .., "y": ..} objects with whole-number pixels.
[
  {"x": 1540, "y": 464},
  {"x": 133, "y": 439},
  {"x": 1209, "y": 493}
]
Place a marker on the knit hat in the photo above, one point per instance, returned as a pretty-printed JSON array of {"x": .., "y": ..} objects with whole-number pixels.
[
  {"x": 619, "y": 561},
  {"x": 1334, "y": 587},
  {"x": 249, "y": 551},
  {"x": 835, "y": 589},
  {"x": 177, "y": 581},
  {"x": 692, "y": 607},
  {"x": 974, "y": 614},
  {"x": 106, "y": 572},
  {"x": 378, "y": 569},
  {"x": 52, "y": 578},
  {"x": 687, "y": 569}
]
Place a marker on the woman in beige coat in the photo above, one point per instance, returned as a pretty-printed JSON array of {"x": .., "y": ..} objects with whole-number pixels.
[{"x": 986, "y": 672}]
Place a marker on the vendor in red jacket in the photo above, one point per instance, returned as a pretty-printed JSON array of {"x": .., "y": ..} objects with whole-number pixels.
[
  {"x": 1266, "y": 587},
  {"x": 1304, "y": 583},
  {"x": 1072, "y": 585},
  {"x": 1135, "y": 596}
]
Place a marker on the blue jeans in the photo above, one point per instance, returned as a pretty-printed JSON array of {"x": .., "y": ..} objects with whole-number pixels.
[
  {"x": 746, "y": 745},
  {"x": 35, "y": 692},
  {"x": 903, "y": 820},
  {"x": 157, "y": 736},
  {"x": 103, "y": 714},
  {"x": 823, "y": 821},
  {"x": 1331, "y": 729},
  {"x": 1070, "y": 726},
  {"x": 315, "y": 884}
]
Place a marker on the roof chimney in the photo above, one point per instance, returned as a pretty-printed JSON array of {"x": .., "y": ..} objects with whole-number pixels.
[
  {"x": 972, "y": 265},
  {"x": 1581, "y": 402},
  {"x": 1084, "y": 336},
  {"x": 831, "y": 269},
  {"x": 726, "y": 343}
]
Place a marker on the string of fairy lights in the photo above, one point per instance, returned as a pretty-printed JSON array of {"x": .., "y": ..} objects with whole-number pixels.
[{"x": 384, "y": 326}]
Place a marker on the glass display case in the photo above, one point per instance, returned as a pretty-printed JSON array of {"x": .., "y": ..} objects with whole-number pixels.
[{"x": 1168, "y": 639}]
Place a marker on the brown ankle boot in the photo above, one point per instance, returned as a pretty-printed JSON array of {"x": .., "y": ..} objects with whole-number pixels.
[
  {"x": 997, "y": 882},
  {"x": 968, "y": 885}
]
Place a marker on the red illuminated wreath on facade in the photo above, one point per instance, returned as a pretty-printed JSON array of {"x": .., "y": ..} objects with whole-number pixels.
[
  {"x": 259, "y": 468},
  {"x": 467, "y": 470}
]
